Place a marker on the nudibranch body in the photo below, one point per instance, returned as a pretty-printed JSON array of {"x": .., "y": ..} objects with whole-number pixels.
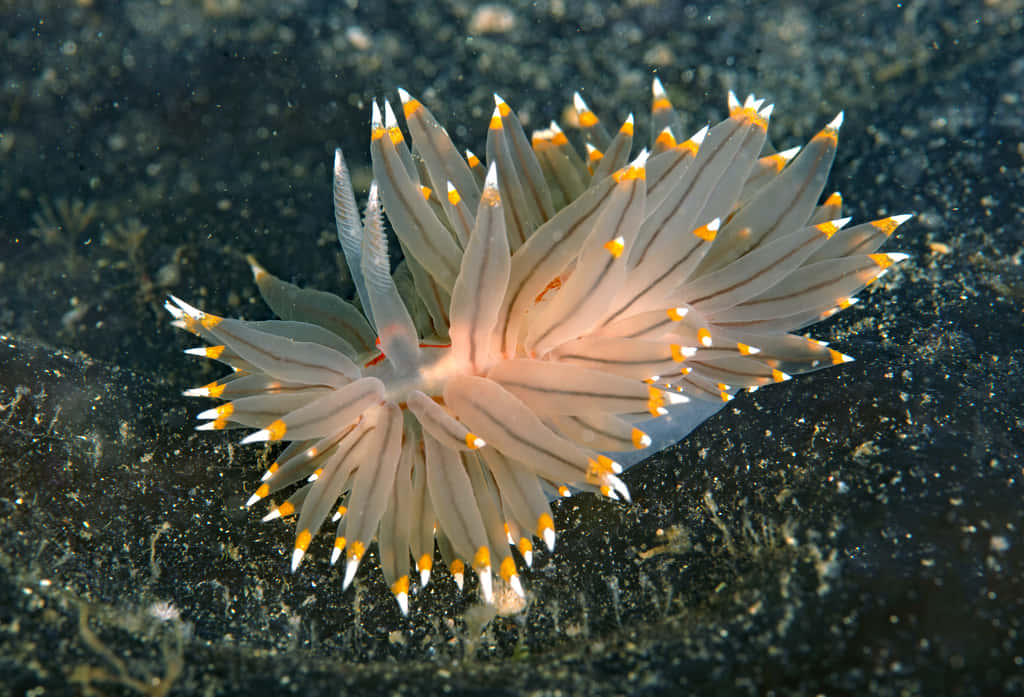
[{"x": 556, "y": 316}]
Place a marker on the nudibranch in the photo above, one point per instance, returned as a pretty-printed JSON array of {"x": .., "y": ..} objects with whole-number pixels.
[{"x": 558, "y": 314}]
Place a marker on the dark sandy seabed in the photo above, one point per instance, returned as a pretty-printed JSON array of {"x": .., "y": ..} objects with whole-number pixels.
[{"x": 855, "y": 531}]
